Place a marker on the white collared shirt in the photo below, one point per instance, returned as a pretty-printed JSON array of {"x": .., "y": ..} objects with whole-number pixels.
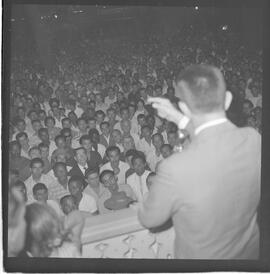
[{"x": 210, "y": 124}]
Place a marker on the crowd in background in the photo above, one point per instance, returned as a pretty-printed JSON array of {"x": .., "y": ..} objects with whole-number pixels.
[{"x": 84, "y": 140}]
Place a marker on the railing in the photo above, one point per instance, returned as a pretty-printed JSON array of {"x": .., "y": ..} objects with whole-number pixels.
[{"x": 120, "y": 235}]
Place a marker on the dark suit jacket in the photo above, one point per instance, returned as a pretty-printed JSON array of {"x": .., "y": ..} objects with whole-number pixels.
[
  {"x": 94, "y": 162},
  {"x": 212, "y": 191},
  {"x": 103, "y": 141}
]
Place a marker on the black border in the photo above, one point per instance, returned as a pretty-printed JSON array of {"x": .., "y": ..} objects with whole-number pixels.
[{"x": 32, "y": 265}]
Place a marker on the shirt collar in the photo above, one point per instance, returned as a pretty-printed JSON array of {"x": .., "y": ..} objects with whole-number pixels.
[{"x": 210, "y": 124}]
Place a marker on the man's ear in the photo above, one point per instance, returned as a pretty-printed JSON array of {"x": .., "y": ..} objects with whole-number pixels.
[
  {"x": 185, "y": 109},
  {"x": 228, "y": 99}
]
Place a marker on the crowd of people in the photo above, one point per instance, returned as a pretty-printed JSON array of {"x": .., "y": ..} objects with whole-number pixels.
[{"x": 84, "y": 139}]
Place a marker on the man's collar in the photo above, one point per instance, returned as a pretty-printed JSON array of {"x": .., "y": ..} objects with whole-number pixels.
[{"x": 209, "y": 124}]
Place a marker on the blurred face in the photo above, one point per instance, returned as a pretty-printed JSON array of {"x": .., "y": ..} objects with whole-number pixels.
[
  {"x": 87, "y": 144},
  {"x": 100, "y": 118},
  {"x": 157, "y": 141},
  {"x": 22, "y": 190},
  {"x": 24, "y": 141},
  {"x": 91, "y": 124},
  {"x": 166, "y": 152},
  {"x": 247, "y": 108},
  {"x": 146, "y": 132},
  {"x": 75, "y": 188},
  {"x": 33, "y": 116},
  {"x": 50, "y": 123},
  {"x": 15, "y": 150},
  {"x": 35, "y": 153},
  {"x": 93, "y": 180},
  {"x": 105, "y": 129},
  {"x": 42, "y": 116},
  {"x": 128, "y": 143},
  {"x": 36, "y": 126},
  {"x": 255, "y": 91},
  {"x": 125, "y": 114},
  {"x": 142, "y": 121},
  {"x": 251, "y": 122},
  {"x": 172, "y": 139},
  {"x": 68, "y": 206},
  {"x": 60, "y": 172},
  {"x": 125, "y": 126},
  {"x": 21, "y": 126},
  {"x": 66, "y": 124},
  {"x": 111, "y": 115},
  {"x": 44, "y": 152},
  {"x": 139, "y": 166},
  {"x": 116, "y": 135},
  {"x": 110, "y": 182},
  {"x": 82, "y": 125},
  {"x": 41, "y": 195},
  {"x": 114, "y": 157},
  {"x": 61, "y": 143},
  {"x": 37, "y": 170},
  {"x": 81, "y": 157},
  {"x": 21, "y": 113}
]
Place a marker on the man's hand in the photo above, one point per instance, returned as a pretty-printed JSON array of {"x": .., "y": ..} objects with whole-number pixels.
[{"x": 165, "y": 109}]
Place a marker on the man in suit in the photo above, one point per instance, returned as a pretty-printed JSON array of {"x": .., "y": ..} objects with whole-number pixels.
[
  {"x": 82, "y": 164},
  {"x": 211, "y": 190}
]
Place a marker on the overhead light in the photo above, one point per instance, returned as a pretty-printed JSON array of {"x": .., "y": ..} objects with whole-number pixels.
[
  {"x": 196, "y": 8},
  {"x": 55, "y": 16}
]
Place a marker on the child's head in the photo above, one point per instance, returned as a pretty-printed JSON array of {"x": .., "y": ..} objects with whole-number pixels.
[
  {"x": 40, "y": 192},
  {"x": 76, "y": 185},
  {"x": 139, "y": 164},
  {"x": 68, "y": 204},
  {"x": 166, "y": 150},
  {"x": 149, "y": 179}
]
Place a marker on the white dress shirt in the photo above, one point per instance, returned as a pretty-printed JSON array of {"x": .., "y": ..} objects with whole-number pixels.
[
  {"x": 138, "y": 184},
  {"x": 88, "y": 203}
]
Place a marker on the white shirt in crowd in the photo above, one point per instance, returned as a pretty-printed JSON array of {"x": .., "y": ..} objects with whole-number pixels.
[{"x": 87, "y": 203}]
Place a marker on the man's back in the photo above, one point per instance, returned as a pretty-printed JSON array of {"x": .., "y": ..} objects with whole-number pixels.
[{"x": 216, "y": 182}]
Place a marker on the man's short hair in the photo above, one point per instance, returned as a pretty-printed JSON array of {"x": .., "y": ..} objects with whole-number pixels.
[
  {"x": 138, "y": 156},
  {"x": 103, "y": 173},
  {"x": 64, "y": 130},
  {"x": 76, "y": 178},
  {"x": 49, "y": 118},
  {"x": 14, "y": 143},
  {"x": 43, "y": 129},
  {"x": 166, "y": 145},
  {"x": 204, "y": 90},
  {"x": 140, "y": 116},
  {"x": 65, "y": 119},
  {"x": 84, "y": 137},
  {"x": 105, "y": 123},
  {"x": 39, "y": 186},
  {"x": 90, "y": 171},
  {"x": 112, "y": 148},
  {"x": 20, "y": 135},
  {"x": 58, "y": 164},
  {"x": 36, "y": 161},
  {"x": 43, "y": 145},
  {"x": 78, "y": 149},
  {"x": 64, "y": 198},
  {"x": 131, "y": 152},
  {"x": 34, "y": 148},
  {"x": 59, "y": 137},
  {"x": 100, "y": 112}
]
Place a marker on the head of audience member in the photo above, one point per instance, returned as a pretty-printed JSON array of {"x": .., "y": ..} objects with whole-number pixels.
[
  {"x": 60, "y": 142},
  {"x": 92, "y": 177},
  {"x": 43, "y": 230},
  {"x": 203, "y": 94},
  {"x": 128, "y": 143},
  {"x": 68, "y": 204},
  {"x": 166, "y": 150},
  {"x": 173, "y": 138},
  {"x": 247, "y": 107},
  {"x": 73, "y": 118},
  {"x": 140, "y": 105},
  {"x": 37, "y": 167},
  {"x": 40, "y": 193},
  {"x": 85, "y": 142},
  {"x": 150, "y": 121},
  {"x": 116, "y": 136},
  {"x": 60, "y": 171},
  {"x": 125, "y": 125},
  {"x": 16, "y": 222},
  {"x": 44, "y": 150},
  {"x": 67, "y": 133},
  {"x": 129, "y": 155},
  {"x": 82, "y": 125},
  {"x": 81, "y": 156},
  {"x": 43, "y": 135},
  {"x": 49, "y": 122},
  {"x": 150, "y": 179},
  {"x": 76, "y": 186},
  {"x": 32, "y": 114},
  {"x": 13, "y": 176},
  {"x": 41, "y": 115},
  {"x": 15, "y": 149},
  {"x": 92, "y": 123},
  {"x": 94, "y": 135},
  {"x": 20, "y": 186},
  {"x": 66, "y": 123},
  {"x": 146, "y": 132},
  {"x": 113, "y": 154},
  {"x": 139, "y": 164},
  {"x": 20, "y": 125},
  {"x": 36, "y": 125},
  {"x": 100, "y": 116},
  {"x": 111, "y": 114},
  {"x": 124, "y": 113},
  {"x": 105, "y": 128},
  {"x": 34, "y": 152},
  {"x": 109, "y": 180},
  {"x": 22, "y": 139},
  {"x": 158, "y": 141}
]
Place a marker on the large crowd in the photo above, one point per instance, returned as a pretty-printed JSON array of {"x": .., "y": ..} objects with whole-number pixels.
[{"x": 84, "y": 140}]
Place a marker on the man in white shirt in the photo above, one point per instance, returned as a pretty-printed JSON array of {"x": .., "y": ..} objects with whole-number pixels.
[
  {"x": 118, "y": 167},
  {"x": 37, "y": 176},
  {"x": 137, "y": 180},
  {"x": 84, "y": 201}
]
